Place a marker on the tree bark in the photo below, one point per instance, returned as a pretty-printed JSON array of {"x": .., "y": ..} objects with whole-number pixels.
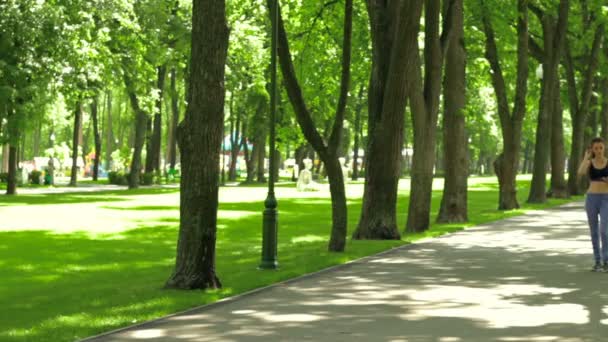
[
  {"x": 553, "y": 41},
  {"x": 148, "y": 167},
  {"x": 506, "y": 165},
  {"x": 261, "y": 156},
  {"x": 37, "y": 138},
  {"x": 454, "y": 201},
  {"x": 235, "y": 137},
  {"x": 394, "y": 31},
  {"x": 97, "y": 137},
  {"x": 328, "y": 153},
  {"x": 11, "y": 186},
  {"x": 141, "y": 122},
  {"x": 157, "y": 128},
  {"x": 174, "y": 120},
  {"x": 109, "y": 131},
  {"x": 558, "y": 187},
  {"x": 604, "y": 110},
  {"x": 358, "y": 110},
  {"x": 424, "y": 104},
  {"x": 201, "y": 134},
  {"x": 75, "y": 140},
  {"x": 580, "y": 108},
  {"x": 5, "y": 152}
]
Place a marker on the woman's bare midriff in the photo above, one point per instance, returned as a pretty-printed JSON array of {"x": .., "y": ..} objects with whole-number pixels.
[{"x": 597, "y": 187}]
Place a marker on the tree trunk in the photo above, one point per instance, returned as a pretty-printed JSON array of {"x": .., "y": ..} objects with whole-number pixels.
[
  {"x": 75, "y": 140},
  {"x": 37, "y": 138},
  {"x": 328, "y": 153},
  {"x": 141, "y": 122},
  {"x": 553, "y": 41},
  {"x": 580, "y": 108},
  {"x": 358, "y": 110},
  {"x": 148, "y": 167},
  {"x": 538, "y": 191},
  {"x": 11, "y": 187},
  {"x": 559, "y": 187},
  {"x": 97, "y": 139},
  {"x": 506, "y": 165},
  {"x": 527, "y": 157},
  {"x": 261, "y": 155},
  {"x": 393, "y": 49},
  {"x": 201, "y": 134},
  {"x": 248, "y": 154},
  {"x": 5, "y": 152},
  {"x": 83, "y": 141},
  {"x": 424, "y": 104},
  {"x": 174, "y": 120},
  {"x": 157, "y": 129},
  {"x": 109, "y": 131},
  {"x": 604, "y": 107},
  {"x": 454, "y": 201},
  {"x": 338, "y": 204},
  {"x": 235, "y": 145}
]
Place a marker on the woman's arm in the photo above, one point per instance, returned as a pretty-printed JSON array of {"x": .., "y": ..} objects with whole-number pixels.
[{"x": 584, "y": 166}]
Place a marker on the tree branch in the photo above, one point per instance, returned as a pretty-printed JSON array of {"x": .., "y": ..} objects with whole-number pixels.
[
  {"x": 294, "y": 91},
  {"x": 336, "y": 134}
]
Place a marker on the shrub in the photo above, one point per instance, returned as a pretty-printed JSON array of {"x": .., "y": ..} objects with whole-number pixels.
[
  {"x": 35, "y": 176},
  {"x": 3, "y": 177},
  {"x": 146, "y": 178},
  {"x": 117, "y": 178}
]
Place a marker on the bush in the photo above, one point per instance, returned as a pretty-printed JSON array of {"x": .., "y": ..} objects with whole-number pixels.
[
  {"x": 117, "y": 178},
  {"x": 3, "y": 177},
  {"x": 35, "y": 176},
  {"x": 146, "y": 178}
]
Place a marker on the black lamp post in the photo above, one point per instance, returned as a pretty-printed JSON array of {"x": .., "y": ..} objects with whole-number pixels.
[{"x": 269, "y": 233}]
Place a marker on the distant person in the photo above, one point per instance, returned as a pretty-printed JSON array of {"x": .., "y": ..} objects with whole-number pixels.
[{"x": 595, "y": 166}]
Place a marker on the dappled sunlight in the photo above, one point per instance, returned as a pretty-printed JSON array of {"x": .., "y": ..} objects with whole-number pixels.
[
  {"x": 98, "y": 267},
  {"x": 236, "y": 214},
  {"x": 308, "y": 238},
  {"x": 148, "y": 334},
  {"x": 498, "y": 307}
]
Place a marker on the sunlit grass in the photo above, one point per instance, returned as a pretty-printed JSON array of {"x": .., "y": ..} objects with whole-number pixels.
[{"x": 62, "y": 286}]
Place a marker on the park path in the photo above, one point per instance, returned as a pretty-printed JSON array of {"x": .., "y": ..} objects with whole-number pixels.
[{"x": 526, "y": 278}]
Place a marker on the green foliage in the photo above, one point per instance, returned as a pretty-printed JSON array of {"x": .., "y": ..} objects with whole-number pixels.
[
  {"x": 147, "y": 178},
  {"x": 35, "y": 177},
  {"x": 117, "y": 178}
]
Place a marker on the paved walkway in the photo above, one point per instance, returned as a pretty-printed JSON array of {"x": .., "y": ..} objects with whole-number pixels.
[{"x": 522, "y": 279}]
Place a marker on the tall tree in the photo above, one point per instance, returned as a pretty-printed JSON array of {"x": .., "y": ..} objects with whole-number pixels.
[
  {"x": 554, "y": 35},
  {"x": 156, "y": 130},
  {"x": 109, "y": 130},
  {"x": 506, "y": 165},
  {"x": 424, "y": 104},
  {"x": 454, "y": 201},
  {"x": 357, "y": 128},
  {"x": 172, "y": 141},
  {"x": 579, "y": 105},
  {"x": 200, "y": 133},
  {"x": 97, "y": 138},
  {"x": 394, "y": 30},
  {"x": 328, "y": 152},
  {"x": 75, "y": 143}
]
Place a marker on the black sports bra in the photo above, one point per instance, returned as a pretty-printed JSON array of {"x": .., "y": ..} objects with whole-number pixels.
[{"x": 597, "y": 174}]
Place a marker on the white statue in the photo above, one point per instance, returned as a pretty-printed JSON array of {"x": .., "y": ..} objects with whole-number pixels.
[{"x": 305, "y": 182}]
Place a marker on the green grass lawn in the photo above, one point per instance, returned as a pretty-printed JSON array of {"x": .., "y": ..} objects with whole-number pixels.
[{"x": 65, "y": 286}]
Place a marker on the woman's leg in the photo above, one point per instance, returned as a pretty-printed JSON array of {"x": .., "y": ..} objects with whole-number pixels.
[
  {"x": 603, "y": 227},
  {"x": 592, "y": 207}
]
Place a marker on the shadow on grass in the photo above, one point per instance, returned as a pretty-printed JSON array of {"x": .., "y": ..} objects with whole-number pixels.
[
  {"x": 62, "y": 287},
  {"x": 81, "y": 197}
]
